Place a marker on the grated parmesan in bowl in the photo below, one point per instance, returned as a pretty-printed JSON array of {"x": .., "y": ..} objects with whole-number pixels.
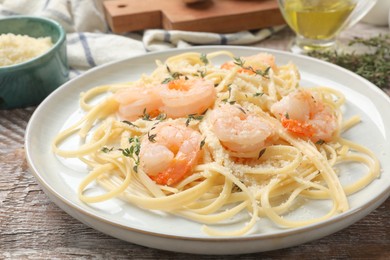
[
  {"x": 33, "y": 60},
  {"x": 15, "y": 49}
]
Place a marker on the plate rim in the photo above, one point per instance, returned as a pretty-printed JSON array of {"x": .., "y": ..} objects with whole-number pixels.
[{"x": 256, "y": 236}]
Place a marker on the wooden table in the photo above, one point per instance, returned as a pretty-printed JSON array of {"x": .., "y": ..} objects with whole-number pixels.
[{"x": 33, "y": 227}]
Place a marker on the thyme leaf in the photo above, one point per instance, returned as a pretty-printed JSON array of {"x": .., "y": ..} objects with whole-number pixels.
[
  {"x": 258, "y": 94},
  {"x": 239, "y": 61},
  {"x": 263, "y": 73},
  {"x": 193, "y": 117},
  {"x": 146, "y": 116},
  {"x": 242, "y": 110},
  {"x": 106, "y": 149},
  {"x": 161, "y": 117},
  {"x": 203, "y": 58},
  {"x": 129, "y": 123},
  {"x": 152, "y": 137},
  {"x": 261, "y": 153},
  {"x": 202, "y": 143},
  {"x": 202, "y": 73}
]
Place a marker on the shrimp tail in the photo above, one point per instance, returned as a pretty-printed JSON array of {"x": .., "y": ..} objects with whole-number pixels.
[
  {"x": 298, "y": 127},
  {"x": 178, "y": 169}
]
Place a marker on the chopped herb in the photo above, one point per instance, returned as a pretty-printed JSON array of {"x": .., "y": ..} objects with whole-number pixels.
[
  {"x": 258, "y": 94},
  {"x": 106, "y": 149},
  {"x": 202, "y": 143},
  {"x": 261, "y": 153},
  {"x": 319, "y": 142},
  {"x": 232, "y": 102},
  {"x": 161, "y": 117},
  {"x": 242, "y": 110},
  {"x": 193, "y": 117},
  {"x": 203, "y": 58},
  {"x": 129, "y": 123},
  {"x": 176, "y": 75},
  {"x": 202, "y": 73},
  {"x": 173, "y": 76},
  {"x": 145, "y": 115},
  {"x": 166, "y": 80},
  {"x": 287, "y": 116},
  {"x": 152, "y": 137}
]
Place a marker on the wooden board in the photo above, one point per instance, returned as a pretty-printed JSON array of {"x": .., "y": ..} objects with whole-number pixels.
[{"x": 221, "y": 16}]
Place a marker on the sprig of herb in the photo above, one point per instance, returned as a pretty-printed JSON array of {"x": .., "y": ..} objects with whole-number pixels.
[
  {"x": 373, "y": 65},
  {"x": 261, "y": 73},
  {"x": 133, "y": 151},
  {"x": 172, "y": 76},
  {"x": 240, "y": 62}
]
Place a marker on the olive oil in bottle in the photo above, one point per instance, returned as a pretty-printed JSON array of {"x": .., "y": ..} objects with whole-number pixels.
[{"x": 317, "y": 19}]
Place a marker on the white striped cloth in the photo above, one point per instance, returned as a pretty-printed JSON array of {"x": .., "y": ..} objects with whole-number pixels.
[{"x": 90, "y": 42}]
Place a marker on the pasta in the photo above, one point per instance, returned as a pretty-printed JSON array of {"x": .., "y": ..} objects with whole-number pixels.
[{"x": 207, "y": 142}]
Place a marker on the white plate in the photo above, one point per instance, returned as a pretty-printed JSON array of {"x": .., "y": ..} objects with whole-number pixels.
[{"x": 117, "y": 219}]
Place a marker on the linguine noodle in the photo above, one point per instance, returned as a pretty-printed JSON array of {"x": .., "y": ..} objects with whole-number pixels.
[{"x": 222, "y": 184}]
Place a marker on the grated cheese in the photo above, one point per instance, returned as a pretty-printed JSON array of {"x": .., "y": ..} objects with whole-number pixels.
[{"x": 16, "y": 49}]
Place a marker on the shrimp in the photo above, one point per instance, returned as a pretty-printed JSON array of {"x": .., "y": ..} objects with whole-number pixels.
[
  {"x": 304, "y": 114},
  {"x": 253, "y": 63},
  {"x": 169, "y": 152},
  {"x": 183, "y": 96},
  {"x": 138, "y": 100},
  {"x": 244, "y": 134}
]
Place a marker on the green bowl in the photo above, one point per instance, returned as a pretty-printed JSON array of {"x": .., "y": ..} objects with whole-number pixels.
[{"x": 28, "y": 83}]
